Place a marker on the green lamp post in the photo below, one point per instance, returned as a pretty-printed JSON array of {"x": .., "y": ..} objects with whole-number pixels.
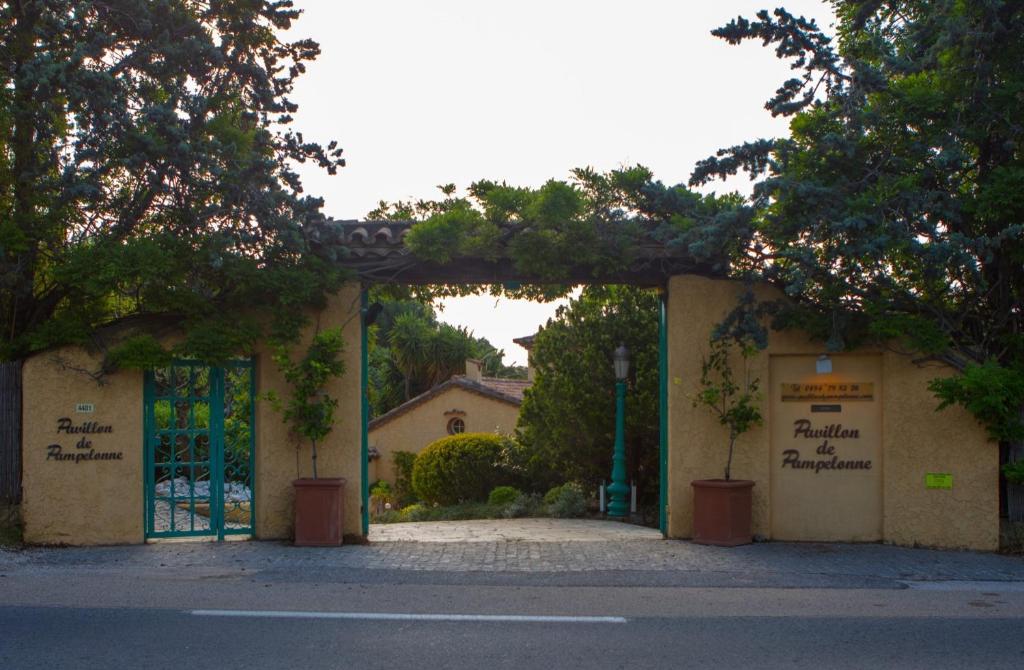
[{"x": 617, "y": 506}]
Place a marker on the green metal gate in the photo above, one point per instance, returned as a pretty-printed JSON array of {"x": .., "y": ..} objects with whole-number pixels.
[{"x": 200, "y": 430}]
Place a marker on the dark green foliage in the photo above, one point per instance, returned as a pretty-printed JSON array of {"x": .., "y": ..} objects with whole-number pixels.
[
  {"x": 381, "y": 489},
  {"x": 566, "y": 502},
  {"x": 503, "y": 495},
  {"x": 992, "y": 393},
  {"x": 736, "y": 402},
  {"x": 457, "y": 512},
  {"x": 526, "y": 504},
  {"x": 1014, "y": 472},
  {"x": 238, "y": 418},
  {"x": 895, "y": 210},
  {"x": 403, "y": 465},
  {"x": 567, "y": 421},
  {"x": 459, "y": 468},
  {"x": 410, "y": 351},
  {"x": 553, "y": 493},
  {"x": 146, "y": 179},
  {"x": 595, "y": 223}
]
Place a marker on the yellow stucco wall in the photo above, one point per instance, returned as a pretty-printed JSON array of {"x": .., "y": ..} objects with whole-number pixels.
[
  {"x": 425, "y": 423},
  {"x": 101, "y": 502},
  {"x": 915, "y": 439},
  {"x": 918, "y": 440},
  {"x": 91, "y": 501},
  {"x": 338, "y": 456}
]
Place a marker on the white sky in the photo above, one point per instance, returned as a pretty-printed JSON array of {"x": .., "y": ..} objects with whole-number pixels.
[{"x": 452, "y": 91}]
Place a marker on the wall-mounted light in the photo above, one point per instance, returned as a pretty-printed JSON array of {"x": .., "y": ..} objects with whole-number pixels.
[{"x": 823, "y": 365}]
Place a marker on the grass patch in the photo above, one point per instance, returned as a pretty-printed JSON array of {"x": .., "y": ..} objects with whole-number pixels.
[{"x": 459, "y": 512}]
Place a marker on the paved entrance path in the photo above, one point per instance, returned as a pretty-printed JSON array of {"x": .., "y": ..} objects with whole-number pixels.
[
  {"x": 539, "y": 551},
  {"x": 513, "y": 530}
]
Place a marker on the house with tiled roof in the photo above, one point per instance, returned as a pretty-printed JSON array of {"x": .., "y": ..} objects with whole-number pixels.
[{"x": 469, "y": 403}]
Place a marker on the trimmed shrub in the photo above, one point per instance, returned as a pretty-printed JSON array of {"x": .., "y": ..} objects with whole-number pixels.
[
  {"x": 566, "y": 501},
  {"x": 457, "y": 468},
  {"x": 503, "y": 495}
]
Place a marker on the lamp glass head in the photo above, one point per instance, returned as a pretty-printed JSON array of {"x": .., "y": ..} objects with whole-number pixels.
[{"x": 621, "y": 360}]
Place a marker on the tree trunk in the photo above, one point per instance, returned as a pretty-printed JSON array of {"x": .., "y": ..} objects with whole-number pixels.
[{"x": 24, "y": 166}]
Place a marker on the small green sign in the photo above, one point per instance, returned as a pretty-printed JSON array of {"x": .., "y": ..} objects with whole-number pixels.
[{"x": 938, "y": 480}]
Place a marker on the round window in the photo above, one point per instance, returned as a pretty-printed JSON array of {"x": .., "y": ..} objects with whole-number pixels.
[{"x": 456, "y": 425}]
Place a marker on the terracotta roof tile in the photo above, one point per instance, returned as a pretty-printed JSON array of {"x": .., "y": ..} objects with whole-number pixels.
[{"x": 510, "y": 387}]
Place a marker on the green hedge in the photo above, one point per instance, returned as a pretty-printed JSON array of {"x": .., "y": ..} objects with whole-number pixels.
[{"x": 459, "y": 468}]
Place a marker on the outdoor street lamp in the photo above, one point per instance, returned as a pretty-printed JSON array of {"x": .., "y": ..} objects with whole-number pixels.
[{"x": 617, "y": 507}]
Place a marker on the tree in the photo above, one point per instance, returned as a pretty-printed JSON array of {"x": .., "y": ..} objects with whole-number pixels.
[
  {"x": 146, "y": 178},
  {"x": 567, "y": 421},
  {"x": 895, "y": 211},
  {"x": 734, "y": 402},
  {"x": 410, "y": 351}
]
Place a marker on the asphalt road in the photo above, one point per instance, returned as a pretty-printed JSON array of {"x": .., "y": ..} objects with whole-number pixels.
[
  {"x": 38, "y": 637},
  {"x": 182, "y": 620},
  {"x": 526, "y": 605}
]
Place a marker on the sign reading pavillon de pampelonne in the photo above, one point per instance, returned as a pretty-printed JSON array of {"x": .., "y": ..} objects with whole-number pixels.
[
  {"x": 80, "y": 436},
  {"x": 826, "y": 449},
  {"x": 825, "y": 442}
]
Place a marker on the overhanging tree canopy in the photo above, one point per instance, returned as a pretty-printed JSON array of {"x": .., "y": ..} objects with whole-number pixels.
[
  {"x": 895, "y": 211},
  {"x": 146, "y": 176}
]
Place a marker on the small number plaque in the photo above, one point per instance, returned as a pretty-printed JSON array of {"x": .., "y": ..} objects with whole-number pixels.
[{"x": 85, "y": 408}]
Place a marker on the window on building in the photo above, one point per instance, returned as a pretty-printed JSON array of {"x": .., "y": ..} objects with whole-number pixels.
[{"x": 456, "y": 426}]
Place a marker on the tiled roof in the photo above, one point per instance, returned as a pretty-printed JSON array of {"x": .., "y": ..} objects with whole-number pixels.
[
  {"x": 526, "y": 341},
  {"x": 376, "y": 251},
  {"x": 511, "y": 387},
  {"x": 512, "y": 394}
]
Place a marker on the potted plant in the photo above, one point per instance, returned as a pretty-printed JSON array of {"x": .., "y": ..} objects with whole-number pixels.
[
  {"x": 309, "y": 411},
  {"x": 722, "y": 507}
]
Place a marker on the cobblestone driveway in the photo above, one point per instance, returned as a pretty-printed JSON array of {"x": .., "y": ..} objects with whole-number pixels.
[{"x": 770, "y": 563}]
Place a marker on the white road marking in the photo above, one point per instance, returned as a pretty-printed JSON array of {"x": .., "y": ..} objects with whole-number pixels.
[
  {"x": 395, "y": 616},
  {"x": 966, "y": 585}
]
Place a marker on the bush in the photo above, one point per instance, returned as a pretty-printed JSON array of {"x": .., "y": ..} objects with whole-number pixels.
[
  {"x": 457, "y": 468},
  {"x": 403, "y": 462},
  {"x": 566, "y": 501},
  {"x": 524, "y": 505},
  {"x": 1014, "y": 472},
  {"x": 381, "y": 489},
  {"x": 503, "y": 495},
  {"x": 415, "y": 512},
  {"x": 554, "y": 492}
]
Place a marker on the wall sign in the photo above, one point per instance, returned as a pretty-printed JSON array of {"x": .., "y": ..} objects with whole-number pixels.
[
  {"x": 83, "y": 447},
  {"x": 824, "y": 391},
  {"x": 85, "y": 408},
  {"x": 826, "y": 448},
  {"x": 938, "y": 480},
  {"x": 825, "y": 456}
]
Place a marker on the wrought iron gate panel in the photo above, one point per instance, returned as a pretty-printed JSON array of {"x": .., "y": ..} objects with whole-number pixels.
[{"x": 199, "y": 450}]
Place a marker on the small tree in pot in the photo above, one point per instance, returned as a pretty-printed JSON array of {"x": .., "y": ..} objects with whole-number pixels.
[
  {"x": 722, "y": 507},
  {"x": 309, "y": 411}
]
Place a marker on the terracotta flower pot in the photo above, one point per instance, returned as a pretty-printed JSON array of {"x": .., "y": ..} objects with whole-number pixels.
[
  {"x": 721, "y": 511},
  {"x": 318, "y": 512}
]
